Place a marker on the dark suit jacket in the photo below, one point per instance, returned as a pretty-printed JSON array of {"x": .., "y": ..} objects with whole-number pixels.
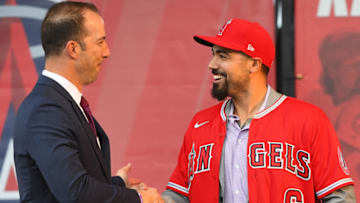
[{"x": 56, "y": 155}]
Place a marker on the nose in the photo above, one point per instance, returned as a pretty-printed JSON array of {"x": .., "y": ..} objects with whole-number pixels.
[
  {"x": 212, "y": 64},
  {"x": 106, "y": 52}
]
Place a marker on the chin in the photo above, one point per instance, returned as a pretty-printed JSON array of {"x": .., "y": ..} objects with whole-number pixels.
[
  {"x": 91, "y": 80},
  {"x": 219, "y": 93}
]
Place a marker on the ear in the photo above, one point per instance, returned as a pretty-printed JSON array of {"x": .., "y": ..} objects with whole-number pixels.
[
  {"x": 73, "y": 49},
  {"x": 255, "y": 65}
]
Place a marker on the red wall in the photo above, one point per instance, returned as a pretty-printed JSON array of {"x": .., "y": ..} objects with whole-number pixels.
[
  {"x": 157, "y": 76},
  {"x": 327, "y": 54},
  {"x": 153, "y": 83}
]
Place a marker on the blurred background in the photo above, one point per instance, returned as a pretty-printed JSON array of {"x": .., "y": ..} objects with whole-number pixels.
[{"x": 157, "y": 77}]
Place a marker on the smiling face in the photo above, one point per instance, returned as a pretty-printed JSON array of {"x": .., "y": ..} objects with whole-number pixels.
[
  {"x": 94, "y": 48},
  {"x": 231, "y": 73}
]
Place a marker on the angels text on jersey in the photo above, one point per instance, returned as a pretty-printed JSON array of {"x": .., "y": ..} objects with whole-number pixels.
[{"x": 271, "y": 155}]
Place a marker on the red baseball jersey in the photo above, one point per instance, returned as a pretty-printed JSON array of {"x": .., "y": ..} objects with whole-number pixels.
[{"x": 293, "y": 155}]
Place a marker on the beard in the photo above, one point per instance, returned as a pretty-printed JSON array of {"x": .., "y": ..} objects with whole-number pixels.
[{"x": 220, "y": 91}]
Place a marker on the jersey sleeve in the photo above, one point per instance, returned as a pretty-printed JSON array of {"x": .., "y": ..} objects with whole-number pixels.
[
  {"x": 180, "y": 177},
  {"x": 330, "y": 171}
]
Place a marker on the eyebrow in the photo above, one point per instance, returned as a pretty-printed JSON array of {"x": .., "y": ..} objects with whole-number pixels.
[
  {"x": 220, "y": 51},
  {"x": 101, "y": 38}
]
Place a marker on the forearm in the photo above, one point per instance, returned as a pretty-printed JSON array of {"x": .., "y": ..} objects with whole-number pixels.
[
  {"x": 344, "y": 194},
  {"x": 88, "y": 189},
  {"x": 117, "y": 180},
  {"x": 170, "y": 196}
]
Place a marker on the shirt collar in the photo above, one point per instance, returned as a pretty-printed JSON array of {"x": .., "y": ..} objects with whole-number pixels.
[
  {"x": 231, "y": 112},
  {"x": 66, "y": 84}
]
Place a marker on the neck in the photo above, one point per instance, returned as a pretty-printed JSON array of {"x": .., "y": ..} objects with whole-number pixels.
[
  {"x": 63, "y": 68},
  {"x": 248, "y": 104}
]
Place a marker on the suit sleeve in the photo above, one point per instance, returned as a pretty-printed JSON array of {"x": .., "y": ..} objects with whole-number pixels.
[
  {"x": 116, "y": 180},
  {"x": 52, "y": 143},
  {"x": 330, "y": 171}
]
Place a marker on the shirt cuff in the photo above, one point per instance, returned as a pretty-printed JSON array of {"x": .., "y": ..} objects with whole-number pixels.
[{"x": 141, "y": 200}]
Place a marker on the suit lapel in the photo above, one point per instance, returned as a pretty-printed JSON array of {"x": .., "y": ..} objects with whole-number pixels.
[
  {"x": 89, "y": 134},
  {"x": 92, "y": 139},
  {"x": 105, "y": 146}
]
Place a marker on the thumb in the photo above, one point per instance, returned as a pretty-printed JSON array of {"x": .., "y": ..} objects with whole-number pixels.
[{"x": 127, "y": 168}]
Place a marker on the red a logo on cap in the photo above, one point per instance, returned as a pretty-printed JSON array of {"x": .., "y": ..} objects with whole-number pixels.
[{"x": 221, "y": 31}]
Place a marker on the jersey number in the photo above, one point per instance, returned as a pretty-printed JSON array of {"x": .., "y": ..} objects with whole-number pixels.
[{"x": 293, "y": 195}]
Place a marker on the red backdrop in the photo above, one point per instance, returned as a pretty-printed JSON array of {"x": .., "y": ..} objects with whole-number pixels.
[
  {"x": 150, "y": 87},
  {"x": 327, "y": 39},
  {"x": 157, "y": 76}
]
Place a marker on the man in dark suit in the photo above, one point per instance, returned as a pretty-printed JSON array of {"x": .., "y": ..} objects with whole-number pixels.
[{"x": 61, "y": 152}]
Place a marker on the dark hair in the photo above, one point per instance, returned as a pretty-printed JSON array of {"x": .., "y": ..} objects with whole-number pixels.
[
  {"x": 265, "y": 69},
  {"x": 63, "y": 22}
]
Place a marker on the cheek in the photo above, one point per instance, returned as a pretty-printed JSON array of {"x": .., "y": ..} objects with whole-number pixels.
[{"x": 236, "y": 75}]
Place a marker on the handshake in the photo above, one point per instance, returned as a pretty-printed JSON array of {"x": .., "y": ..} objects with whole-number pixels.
[{"x": 148, "y": 194}]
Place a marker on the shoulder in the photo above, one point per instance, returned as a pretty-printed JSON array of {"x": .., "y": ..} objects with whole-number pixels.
[
  {"x": 301, "y": 114},
  {"x": 295, "y": 111},
  {"x": 208, "y": 122},
  {"x": 46, "y": 104},
  {"x": 298, "y": 107},
  {"x": 214, "y": 112},
  {"x": 46, "y": 92}
]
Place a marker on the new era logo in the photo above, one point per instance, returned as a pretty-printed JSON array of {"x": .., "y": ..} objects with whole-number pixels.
[{"x": 250, "y": 48}]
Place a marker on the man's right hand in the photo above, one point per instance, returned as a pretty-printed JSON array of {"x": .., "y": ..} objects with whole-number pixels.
[{"x": 150, "y": 195}]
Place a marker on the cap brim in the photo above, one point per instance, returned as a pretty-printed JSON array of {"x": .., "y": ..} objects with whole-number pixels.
[
  {"x": 211, "y": 41},
  {"x": 204, "y": 40}
]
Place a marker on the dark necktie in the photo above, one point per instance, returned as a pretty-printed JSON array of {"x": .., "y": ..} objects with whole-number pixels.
[{"x": 85, "y": 105}]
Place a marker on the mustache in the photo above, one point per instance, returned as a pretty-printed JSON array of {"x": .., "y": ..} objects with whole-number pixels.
[{"x": 217, "y": 72}]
